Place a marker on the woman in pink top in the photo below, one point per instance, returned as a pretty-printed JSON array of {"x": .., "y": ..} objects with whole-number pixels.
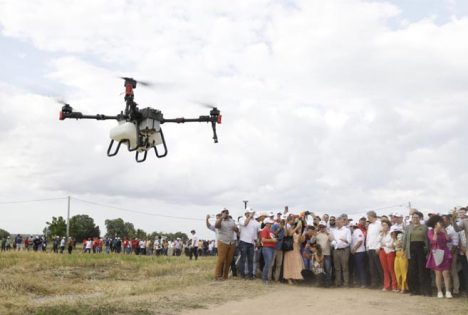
[{"x": 438, "y": 239}]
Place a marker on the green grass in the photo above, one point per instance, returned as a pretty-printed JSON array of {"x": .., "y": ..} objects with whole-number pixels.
[{"x": 46, "y": 283}]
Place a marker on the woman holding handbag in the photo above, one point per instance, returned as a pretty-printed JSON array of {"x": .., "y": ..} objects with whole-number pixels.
[{"x": 440, "y": 257}]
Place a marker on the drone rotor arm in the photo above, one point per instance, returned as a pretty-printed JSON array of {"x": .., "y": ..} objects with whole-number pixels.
[
  {"x": 214, "y": 118},
  {"x": 78, "y": 115}
]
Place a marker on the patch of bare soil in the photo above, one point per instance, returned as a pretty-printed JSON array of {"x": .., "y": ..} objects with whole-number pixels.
[{"x": 298, "y": 300}]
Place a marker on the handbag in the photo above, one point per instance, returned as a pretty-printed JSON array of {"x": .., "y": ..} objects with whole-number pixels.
[
  {"x": 438, "y": 255},
  {"x": 288, "y": 243}
]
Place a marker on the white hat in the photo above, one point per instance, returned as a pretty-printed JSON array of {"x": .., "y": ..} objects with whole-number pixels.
[
  {"x": 268, "y": 221},
  {"x": 271, "y": 214},
  {"x": 249, "y": 210},
  {"x": 397, "y": 214},
  {"x": 395, "y": 228},
  {"x": 323, "y": 223}
]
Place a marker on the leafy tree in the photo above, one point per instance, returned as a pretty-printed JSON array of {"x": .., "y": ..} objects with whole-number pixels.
[
  {"x": 3, "y": 234},
  {"x": 82, "y": 226},
  {"x": 140, "y": 234},
  {"x": 118, "y": 227},
  {"x": 58, "y": 227}
]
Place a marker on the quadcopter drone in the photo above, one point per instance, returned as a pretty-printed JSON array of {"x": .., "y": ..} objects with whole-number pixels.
[{"x": 140, "y": 129}]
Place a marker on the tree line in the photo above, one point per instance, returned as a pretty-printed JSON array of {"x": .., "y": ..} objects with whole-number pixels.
[{"x": 82, "y": 226}]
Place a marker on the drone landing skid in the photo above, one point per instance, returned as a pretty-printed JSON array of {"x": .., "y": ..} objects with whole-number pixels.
[{"x": 139, "y": 151}]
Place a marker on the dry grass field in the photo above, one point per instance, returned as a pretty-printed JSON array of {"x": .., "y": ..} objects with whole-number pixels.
[{"x": 45, "y": 283}]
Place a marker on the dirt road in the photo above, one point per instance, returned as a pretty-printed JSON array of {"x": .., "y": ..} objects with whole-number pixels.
[{"x": 294, "y": 300}]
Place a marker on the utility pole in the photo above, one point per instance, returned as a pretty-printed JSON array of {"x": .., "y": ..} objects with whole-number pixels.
[
  {"x": 245, "y": 203},
  {"x": 68, "y": 219}
]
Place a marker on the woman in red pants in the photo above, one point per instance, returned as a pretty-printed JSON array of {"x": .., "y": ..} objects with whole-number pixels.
[{"x": 387, "y": 257}]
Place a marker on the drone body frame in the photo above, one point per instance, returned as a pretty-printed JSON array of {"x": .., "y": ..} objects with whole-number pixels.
[{"x": 140, "y": 129}]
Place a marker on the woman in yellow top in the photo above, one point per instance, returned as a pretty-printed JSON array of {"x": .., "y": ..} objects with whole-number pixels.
[{"x": 401, "y": 262}]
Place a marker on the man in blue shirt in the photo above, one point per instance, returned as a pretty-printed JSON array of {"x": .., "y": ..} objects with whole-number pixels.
[{"x": 279, "y": 231}]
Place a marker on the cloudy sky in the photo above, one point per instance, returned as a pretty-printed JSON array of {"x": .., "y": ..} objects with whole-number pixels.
[{"x": 331, "y": 106}]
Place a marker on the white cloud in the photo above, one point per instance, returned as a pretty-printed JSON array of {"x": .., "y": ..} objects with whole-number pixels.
[{"x": 325, "y": 105}]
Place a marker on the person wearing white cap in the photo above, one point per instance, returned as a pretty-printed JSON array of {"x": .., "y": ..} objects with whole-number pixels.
[
  {"x": 358, "y": 253},
  {"x": 398, "y": 221},
  {"x": 248, "y": 232}
]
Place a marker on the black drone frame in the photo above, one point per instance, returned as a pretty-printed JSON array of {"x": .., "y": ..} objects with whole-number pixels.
[{"x": 133, "y": 114}]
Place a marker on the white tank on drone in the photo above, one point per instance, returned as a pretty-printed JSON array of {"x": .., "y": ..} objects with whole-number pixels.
[
  {"x": 148, "y": 131},
  {"x": 125, "y": 131}
]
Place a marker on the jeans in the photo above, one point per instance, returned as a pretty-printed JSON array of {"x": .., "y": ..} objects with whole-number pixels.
[
  {"x": 359, "y": 264},
  {"x": 327, "y": 264},
  {"x": 267, "y": 253},
  {"x": 246, "y": 254}
]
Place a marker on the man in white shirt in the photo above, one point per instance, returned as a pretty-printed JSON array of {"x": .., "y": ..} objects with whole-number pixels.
[
  {"x": 248, "y": 234},
  {"x": 193, "y": 245},
  {"x": 341, "y": 241},
  {"x": 373, "y": 247},
  {"x": 358, "y": 252}
]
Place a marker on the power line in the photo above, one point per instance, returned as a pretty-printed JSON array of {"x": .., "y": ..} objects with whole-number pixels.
[
  {"x": 32, "y": 200},
  {"x": 137, "y": 211}
]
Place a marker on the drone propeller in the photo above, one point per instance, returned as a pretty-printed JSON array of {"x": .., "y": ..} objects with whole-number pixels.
[
  {"x": 206, "y": 104},
  {"x": 60, "y": 101},
  {"x": 143, "y": 83}
]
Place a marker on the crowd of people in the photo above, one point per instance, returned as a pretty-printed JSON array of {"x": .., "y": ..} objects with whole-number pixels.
[
  {"x": 387, "y": 252},
  {"x": 411, "y": 255},
  {"x": 160, "y": 246}
]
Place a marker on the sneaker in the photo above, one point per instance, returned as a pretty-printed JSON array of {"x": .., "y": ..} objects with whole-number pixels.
[
  {"x": 448, "y": 295},
  {"x": 440, "y": 294}
]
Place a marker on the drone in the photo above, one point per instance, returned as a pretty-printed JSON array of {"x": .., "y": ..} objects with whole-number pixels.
[{"x": 140, "y": 129}]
